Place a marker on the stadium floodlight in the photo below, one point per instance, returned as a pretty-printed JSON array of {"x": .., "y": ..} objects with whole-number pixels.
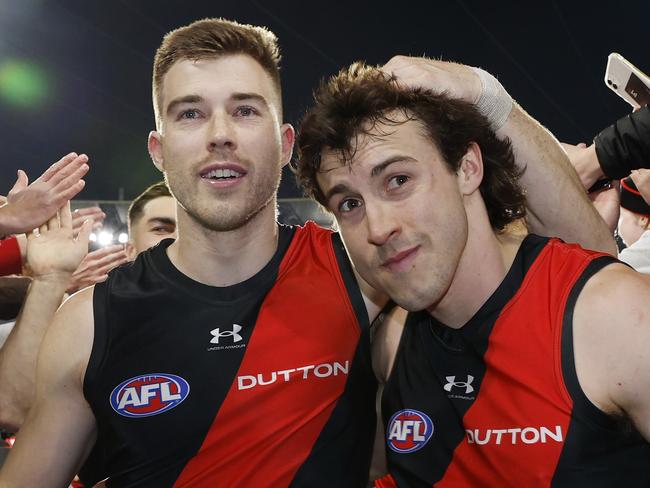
[
  {"x": 105, "y": 238},
  {"x": 123, "y": 238}
]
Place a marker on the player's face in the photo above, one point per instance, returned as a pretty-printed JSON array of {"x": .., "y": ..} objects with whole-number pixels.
[
  {"x": 157, "y": 222},
  {"x": 400, "y": 213},
  {"x": 221, "y": 144}
]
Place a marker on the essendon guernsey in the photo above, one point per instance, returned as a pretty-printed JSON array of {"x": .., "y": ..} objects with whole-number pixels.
[
  {"x": 266, "y": 383},
  {"x": 497, "y": 403}
]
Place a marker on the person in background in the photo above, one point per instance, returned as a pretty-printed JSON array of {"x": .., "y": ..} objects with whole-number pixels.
[
  {"x": 151, "y": 218},
  {"x": 634, "y": 225}
]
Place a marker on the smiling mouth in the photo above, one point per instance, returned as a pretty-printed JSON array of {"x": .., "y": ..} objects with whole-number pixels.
[
  {"x": 222, "y": 174},
  {"x": 402, "y": 260}
]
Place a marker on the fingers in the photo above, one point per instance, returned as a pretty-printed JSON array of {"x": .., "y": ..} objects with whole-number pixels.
[
  {"x": 58, "y": 166},
  {"x": 93, "y": 213},
  {"x": 72, "y": 184},
  {"x": 84, "y": 233},
  {"x": 68, "y": 170},
  {"x": 65, "y": 216},
  {"x": 53, "y": 223}
]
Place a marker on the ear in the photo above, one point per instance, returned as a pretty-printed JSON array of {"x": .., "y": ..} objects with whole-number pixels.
[
  {"x": 470, "y": 172},
  {"x": 154, "y": 144},
  {"x": 644, "y": 220},
  {"x": 131, "y": 254},
  {"x": 288, "y": 136}
]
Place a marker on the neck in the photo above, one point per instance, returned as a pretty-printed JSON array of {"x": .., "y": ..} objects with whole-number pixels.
[
  {"x": 485, "y": 261},
  {"x": 224, "y": 258}
]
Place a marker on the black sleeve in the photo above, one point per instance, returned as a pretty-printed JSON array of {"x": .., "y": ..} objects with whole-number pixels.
[{"x": 625, "y": 145}]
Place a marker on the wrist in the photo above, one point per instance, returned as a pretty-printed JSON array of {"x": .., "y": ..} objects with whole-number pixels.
[
  {"x": 494, "y": 102},
  {"x": 59, "y": 279}
]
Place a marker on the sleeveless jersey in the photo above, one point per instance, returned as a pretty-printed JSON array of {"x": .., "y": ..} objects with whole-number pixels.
[
  {"x": 497, "y": 403},
  {"x": 263, "y": 383}
]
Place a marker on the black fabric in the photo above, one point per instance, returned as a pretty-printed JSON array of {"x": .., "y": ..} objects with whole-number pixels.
[
  {"x": 625, "y": 145},
  {"x": 166, "y": 299}
]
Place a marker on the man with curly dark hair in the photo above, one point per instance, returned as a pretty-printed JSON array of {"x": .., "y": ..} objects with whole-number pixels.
[{"x": 506, "y": 370}]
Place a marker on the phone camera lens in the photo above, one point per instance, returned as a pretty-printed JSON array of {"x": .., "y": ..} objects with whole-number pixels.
[
  {"x": 609, "y": 82},
  {"x": 615, "y": 86}
]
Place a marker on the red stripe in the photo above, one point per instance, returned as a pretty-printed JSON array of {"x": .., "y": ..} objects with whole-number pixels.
[
  {"x": 10, "y": 259},
  {"x": 262, "y": 435},
  {"x": 522, "y": 387}
]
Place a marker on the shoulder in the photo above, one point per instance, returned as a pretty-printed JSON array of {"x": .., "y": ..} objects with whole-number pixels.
[{"x": 611, "y": 330}]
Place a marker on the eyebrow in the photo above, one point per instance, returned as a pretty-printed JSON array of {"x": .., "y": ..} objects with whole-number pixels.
[
  {"x": 181, "y": 100},
  {"x": 250, "y": 96},
  {"x": 162, "y": 220},
  {"x": 376, "y": 171}
]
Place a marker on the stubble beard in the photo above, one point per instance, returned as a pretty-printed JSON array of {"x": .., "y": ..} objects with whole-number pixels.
[{"x": 225, "y": 216}]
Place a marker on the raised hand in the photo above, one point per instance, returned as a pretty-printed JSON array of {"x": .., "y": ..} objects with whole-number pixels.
[
  {"x": 89, "y": 213},
  {"x": 30, "y": 206},
  {"x": 95, "y": 266},
  {"x": 53, "y": 252}
]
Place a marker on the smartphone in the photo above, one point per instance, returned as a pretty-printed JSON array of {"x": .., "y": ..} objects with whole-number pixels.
[{"x": 627, "y": 81}]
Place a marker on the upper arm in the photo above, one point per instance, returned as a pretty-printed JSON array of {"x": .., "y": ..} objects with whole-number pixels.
[
  {"x": 60, "y": 427},
  {"x": 556, "y": 201},
  {"x": 612, "y": 343}
]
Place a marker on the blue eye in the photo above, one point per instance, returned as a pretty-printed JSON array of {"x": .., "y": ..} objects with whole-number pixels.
[
  {"x": 189, "y": 114},
  {"x": 246, "y": 111}
]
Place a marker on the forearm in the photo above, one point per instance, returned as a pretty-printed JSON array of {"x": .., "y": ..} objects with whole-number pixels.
[
  {"x": 556, "y": 201},
  {"x": 625, "y": 145},
  {"x": 18, "y": 356}
]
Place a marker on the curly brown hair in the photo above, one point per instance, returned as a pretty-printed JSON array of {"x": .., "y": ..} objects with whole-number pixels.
[
  {"x": 211, "y": 38},
  {"x": 354, "y": 101}
]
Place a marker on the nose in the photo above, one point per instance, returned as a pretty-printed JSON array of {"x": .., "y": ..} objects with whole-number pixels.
[
  {"x": 381, "y": 224},
  {"x": 222, "y": 134}
]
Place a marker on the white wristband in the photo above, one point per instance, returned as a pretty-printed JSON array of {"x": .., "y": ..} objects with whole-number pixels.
[{"x": 494, "y": 102}]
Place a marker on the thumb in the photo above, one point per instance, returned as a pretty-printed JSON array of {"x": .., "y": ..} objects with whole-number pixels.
[{"x": 21, "y": 182}]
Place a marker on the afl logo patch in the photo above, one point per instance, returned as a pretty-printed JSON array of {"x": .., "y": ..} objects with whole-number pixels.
[
  {"x": 150, "y": 394},
  {"x": 409, "y": 431}
]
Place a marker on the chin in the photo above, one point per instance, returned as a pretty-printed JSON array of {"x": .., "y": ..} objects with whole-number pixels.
[{"x": 412, "y": 302}]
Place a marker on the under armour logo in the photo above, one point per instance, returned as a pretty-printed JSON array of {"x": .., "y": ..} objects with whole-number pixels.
[
  {"x": 234, "y": 333},
  {"x": 460, "y": 384}
]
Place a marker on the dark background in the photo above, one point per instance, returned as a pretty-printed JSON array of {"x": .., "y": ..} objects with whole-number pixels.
[{"x": 75, "y": 74}]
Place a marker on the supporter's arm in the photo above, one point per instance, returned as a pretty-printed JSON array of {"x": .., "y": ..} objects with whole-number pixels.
[
  {"x": 95, "y": 267},
  {"x": 557, "y": 203},
  {"x": 625, "y": 145},
  {"x": 53, "y": 256},
  {"x": 60, "y": 428},
  {"x": 29, "y": 206},
  {"x": 611, "y": 337}
]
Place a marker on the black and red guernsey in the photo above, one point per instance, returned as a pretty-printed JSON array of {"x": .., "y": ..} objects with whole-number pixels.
[
  {"x": 266, "y": 383},
  {"x": 497, "y": 403}
]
